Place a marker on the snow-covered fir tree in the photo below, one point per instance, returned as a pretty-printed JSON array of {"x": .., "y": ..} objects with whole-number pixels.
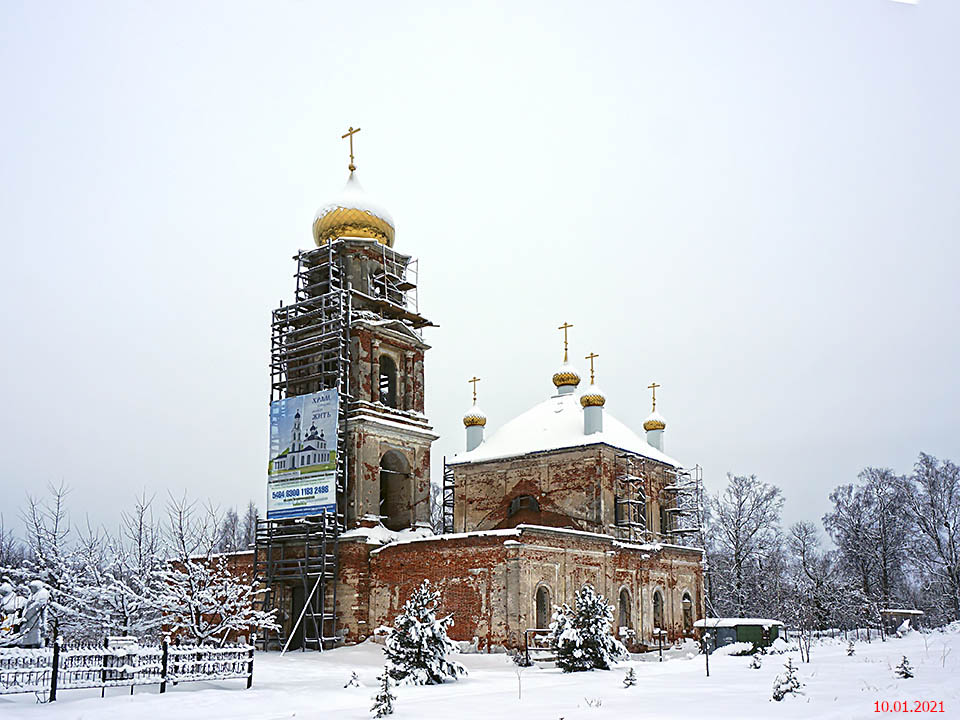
[
  {"x": 851, "y": 649},
  {"x": 580, "y": 637},
  {"x": 904, "y": 670},
  {"x": 418, "y": 645},
  {"x": 786, "y": 683},
  {"x": 383, "y": 701},
  {"x": 630, "y": 679},
  {"x": 354, "y": 681},
  {"x": 755, "y": 663}
]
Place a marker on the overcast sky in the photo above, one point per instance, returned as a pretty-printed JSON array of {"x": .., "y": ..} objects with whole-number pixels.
[{"x": 753, "y": 203}]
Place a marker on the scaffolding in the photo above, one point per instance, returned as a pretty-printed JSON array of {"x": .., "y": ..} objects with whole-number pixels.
[
  {"x": 630, "y": 503},
  {"x": 309, "y": 352},
  {"x": 683, "y": 500},
  {"x": 447, "y": 497},
  {"x": 345, "y": 281}
]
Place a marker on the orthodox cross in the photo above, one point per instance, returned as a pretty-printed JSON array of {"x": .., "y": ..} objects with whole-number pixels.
[
  {"x": 566, "y": 326},
  {"x": 653, "y": 386},
  {"x": 474, "y": 380},
  {"x": 591, "y": 357},
  {"x": 350, "y": 133}
]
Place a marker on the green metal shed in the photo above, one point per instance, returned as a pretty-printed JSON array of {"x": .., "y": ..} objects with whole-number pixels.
[{"x": 726, "y": 631}]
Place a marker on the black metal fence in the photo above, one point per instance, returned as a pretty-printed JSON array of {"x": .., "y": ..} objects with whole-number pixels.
[{"x": 48, "y": 670}]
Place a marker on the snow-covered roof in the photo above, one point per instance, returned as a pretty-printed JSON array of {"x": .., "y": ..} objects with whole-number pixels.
[
  {"x": 734, "y": 622},
  {"x": 354, "y": 197},
  {"x": 555, "y": 424}
]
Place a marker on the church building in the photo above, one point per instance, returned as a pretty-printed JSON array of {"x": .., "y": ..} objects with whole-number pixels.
[{"x": 562, "y": 495}]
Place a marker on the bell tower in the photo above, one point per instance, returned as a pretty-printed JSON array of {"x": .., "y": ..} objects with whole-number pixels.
[
  {"x": 348, "y": 352},
  {"x": 356, "y": 327}
]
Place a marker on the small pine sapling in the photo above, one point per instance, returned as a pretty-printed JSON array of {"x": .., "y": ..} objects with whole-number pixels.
[
  {"x": 850, "y": 649},
  {"x": 580, "y": 637},
  {"x": 354, "y": 681},
  {"x": 903, "y": 669},
  {"x": 417, "y": 647},
  {"x": 755, "y": 662},
  {"x": 383, "y": 701},
  {"x": 786, "y": 683},
  {"x": 630, "y": 679}
]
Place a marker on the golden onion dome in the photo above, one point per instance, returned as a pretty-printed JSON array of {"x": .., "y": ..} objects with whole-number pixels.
[
  {"x": 353, "y": 214},
  {"x": 654, "y": 421},
  {"x": 593, "y": 397},
  {"x": 566, "y": 375},
  {"x": 475, "y": 417}
]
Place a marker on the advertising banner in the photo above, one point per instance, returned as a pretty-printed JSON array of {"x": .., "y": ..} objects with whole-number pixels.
[{"x": 301, "y": 475}]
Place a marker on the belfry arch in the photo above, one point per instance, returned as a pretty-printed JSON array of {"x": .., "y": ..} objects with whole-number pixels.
[{"x": 395, "y": 490}]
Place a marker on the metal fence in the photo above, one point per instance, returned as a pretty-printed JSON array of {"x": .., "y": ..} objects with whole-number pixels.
[{"x": 47, "y": 670}]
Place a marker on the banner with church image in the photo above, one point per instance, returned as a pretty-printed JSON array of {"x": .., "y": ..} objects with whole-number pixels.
[{"x": 301, "y": 475}]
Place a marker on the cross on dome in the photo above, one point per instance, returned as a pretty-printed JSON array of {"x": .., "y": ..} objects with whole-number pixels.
[{"x": 349, "y": 134}]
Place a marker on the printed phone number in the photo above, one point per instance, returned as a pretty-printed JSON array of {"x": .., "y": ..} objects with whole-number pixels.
[
  {"x": 908, "y": 706},
  {"x": 300, "y": 492}
]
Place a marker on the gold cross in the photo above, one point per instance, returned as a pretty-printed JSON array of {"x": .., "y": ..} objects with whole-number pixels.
[
  {"x": 474, "y": 380},
  {"x": 591, "y": 357},
  {"x": 566, "y": 326},
  {"x": 653, "y": 386},
  {"x": 350, "y": 133}
]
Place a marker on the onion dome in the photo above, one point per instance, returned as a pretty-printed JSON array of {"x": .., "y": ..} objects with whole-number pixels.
[
  {"x": 353, "y": 214},
  {"x": 566, "y": 375},
  {"x": 475, "y": 417},
  {"x": 593, "y": 397},
  {"x": 654, "y": 421}
]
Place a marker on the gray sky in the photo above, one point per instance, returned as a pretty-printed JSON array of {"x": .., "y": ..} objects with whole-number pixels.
[{"x": 752, "y": 203}]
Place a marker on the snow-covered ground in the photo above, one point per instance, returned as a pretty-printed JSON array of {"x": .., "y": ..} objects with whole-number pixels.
[{"x": 310, "y": 685}]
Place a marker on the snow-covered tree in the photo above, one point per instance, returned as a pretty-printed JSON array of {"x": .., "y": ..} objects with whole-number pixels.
[
  {"x": 630, "y": 679},
  {"x": 786, "y": 683},
  {"x": 932, "y": 500},
  {"x": 871, "y": 530},
  {"x": 354, "y": 681},
  {"x": 418, "y": 645},
  {"x": 201, "y": 596},
  {"x": 580, "y": 636},
  {"x": 851, "y": 649},
  {"x": 904, "y": 670},
  {"x": 743, "y": 532},
  {"x": 383, "y": 701},
  {"x": 755, "y": 662}
]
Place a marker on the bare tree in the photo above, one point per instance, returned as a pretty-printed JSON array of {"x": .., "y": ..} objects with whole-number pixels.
[
  {"x": 744, "y": 529},
  {"x": 249, "y": 531},
  {"x": 230, "y": 534},
  {"x": 932, "y": 499}
]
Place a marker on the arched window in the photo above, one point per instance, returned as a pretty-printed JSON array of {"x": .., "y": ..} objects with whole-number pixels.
[
  {"x": 687, "y": 613},
  {"x": 388, "y": 381},
  {"x": 395, "y": 491},
  {"x": 523, "y": 502},
  {"x": 543, "y": 607},
  {"x": 625, "y": 620},
  {"x": 658, "y": 610}
]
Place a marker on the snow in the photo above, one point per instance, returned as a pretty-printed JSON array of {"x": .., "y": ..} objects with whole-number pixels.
[
  {"x": 733, "y": 622},
  {"x": 353, "y": 197},
  {"x": 310, "y": 685},
  {"x": 554, "y": 424},
  {"x": 379, "y": 535}
]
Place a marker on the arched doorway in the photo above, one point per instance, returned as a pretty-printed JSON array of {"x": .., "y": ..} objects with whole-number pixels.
[
  {"x": 658, "y": 610},
  {"x": 625, "y": 617},
  {"x": 544, "y": 614},
  {"x": 687, "y": 614},
  {"x": 394, "y": 490}
]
